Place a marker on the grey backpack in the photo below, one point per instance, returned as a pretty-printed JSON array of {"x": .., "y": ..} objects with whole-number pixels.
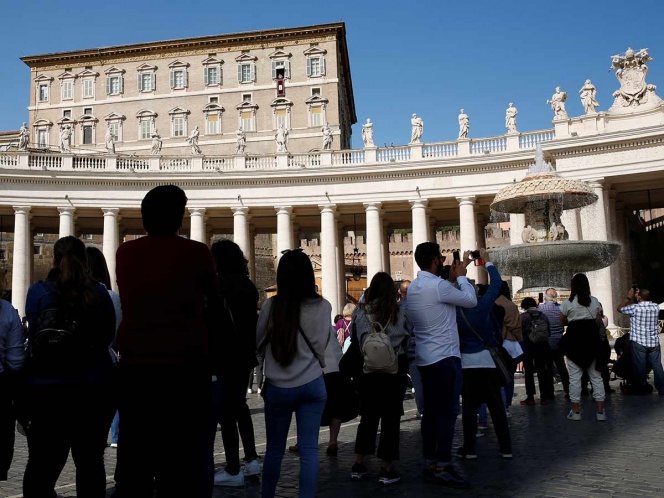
[{"x": 379, "y": 355}]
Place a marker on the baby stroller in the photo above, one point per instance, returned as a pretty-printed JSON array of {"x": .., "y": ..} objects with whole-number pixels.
[{"x": 623, "y": 368}]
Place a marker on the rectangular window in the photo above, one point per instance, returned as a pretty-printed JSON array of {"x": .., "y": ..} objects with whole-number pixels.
[
  {"x": 66, "y": 113},
  {"x": 212, "y": 124},
  {"x": 212, "y": 76},
  {"x": 245, "y": 73},
  {"x": 87, "y": 111},
  {"x": 88, "y": 88},
  {"x": 316, "y": 116},
  {"x": 315, "y": 92},
  {"x": 114, "y": 85},
  {"x": 145, "y": 82},
  {"x": 42, "y": 138},
  {"x": 178, "y": 78},
  {"x": 248, "y": 121},
  {"x": 214, "y": 100},
  {"x": 67, "y": 90},
  {"x": 87, "y": 135},
  {"x": 280, "y": 69},
  {"x": 146, "y": 129},
  {"x": 281, "y": 118},
  {"x": 178, "y": 126},
  {"x": 246, "y": 97},
  {"x": 315, "y": 66},
  {"x": 114, "y": 128},
  {"x": 43, "y": 93}
]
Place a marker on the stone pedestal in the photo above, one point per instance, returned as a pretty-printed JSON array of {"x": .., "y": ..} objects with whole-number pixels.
[{"x": 369, "y": 155}]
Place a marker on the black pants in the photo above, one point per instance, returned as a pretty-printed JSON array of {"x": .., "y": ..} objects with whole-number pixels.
[
  {"x": 235, "y": 415},
  {"x": 482, "y": 385},
  {"x": 538, "y": 360},
  {"x": 164, "y": 413},
  {"x": 7, "y": 424},
  {"x": 559, "y": 359},
  {"x": 64, "y": 417},
  {"x": 381, "y": 400}
]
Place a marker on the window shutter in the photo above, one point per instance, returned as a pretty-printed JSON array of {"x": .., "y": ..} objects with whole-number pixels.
[
  {"x": 153, "y": 80},
  {"x": 186, "y": 78},
  {"x": 252, "y": 72},
  {"x": 308, "y": 66},
  {"x": 322, "y": 66},
  {"x": 221, "y": 76},
  {"x": 206, "y": 79},
  {"x": 121, "y": 84},
  {"x": 287, "y": 69},
  {"x": 140, "y": 82},
  {"x": 239, "y": 73},
  {"x": 172, "y": 79},
  {"x": 108, "y": 85},
  {"x": 274, "y": 70}
]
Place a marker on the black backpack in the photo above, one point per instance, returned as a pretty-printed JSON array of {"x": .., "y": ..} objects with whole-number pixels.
[
  {"x": 539, "y": 329},
  {"x": 54, "y": 342}
]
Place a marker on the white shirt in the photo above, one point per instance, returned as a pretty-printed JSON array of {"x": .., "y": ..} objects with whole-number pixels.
[
  {"x": 431, "y": 308},
  {"x": 575, "y": 311}
]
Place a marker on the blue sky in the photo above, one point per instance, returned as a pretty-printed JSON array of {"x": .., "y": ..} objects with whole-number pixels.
[{"x": 428, "y": 57}]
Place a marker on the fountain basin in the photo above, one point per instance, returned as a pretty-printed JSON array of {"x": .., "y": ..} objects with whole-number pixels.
[{"x": 552, "y": 264}]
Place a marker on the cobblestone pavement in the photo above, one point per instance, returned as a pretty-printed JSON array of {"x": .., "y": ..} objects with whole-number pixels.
[{"x": 552, "y": 456}]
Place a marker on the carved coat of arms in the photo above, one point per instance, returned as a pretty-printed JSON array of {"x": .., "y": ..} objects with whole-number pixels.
[{"x": 631, "y": 70}]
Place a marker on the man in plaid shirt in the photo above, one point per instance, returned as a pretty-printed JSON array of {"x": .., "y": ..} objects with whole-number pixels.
[{"x": 644, "y": 337}]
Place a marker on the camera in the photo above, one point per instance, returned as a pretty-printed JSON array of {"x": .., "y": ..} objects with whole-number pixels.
[
  {"x": 475, "y": 254},
  {"x": 456, "y": 256}
]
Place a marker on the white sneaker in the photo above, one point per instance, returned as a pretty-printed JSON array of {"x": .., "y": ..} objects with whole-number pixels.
[
  {"x": 115, "y": 445},
  {"x": 252, "y": 468},
  {"x": 223, "y": 478},
  {"x": 601, "y": 416},
  {"x": 572, "y": 415},
  {"x": 249, "y": 391},
  {"x": 258, "y": 390}
]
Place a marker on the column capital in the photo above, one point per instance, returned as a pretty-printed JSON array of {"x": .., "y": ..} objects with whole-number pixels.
[
  {"x": 66, "y": 210},
  {"x": 197, "y": 211},
  {"x": 284, "y": 210},
  {"x": 240, "y": 211},
  {"x": 419, "y": 203},
  {"x": 372, "y": 206},
  {"x": 465, "y": 200},
  {"x": 22, "y": 209},
  {"x": 110, "y": 211},
  {"x": 598, "y": 183},
  {"x": 328, "y": 208}
]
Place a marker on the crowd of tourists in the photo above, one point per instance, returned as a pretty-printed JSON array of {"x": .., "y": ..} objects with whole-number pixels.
[{"x": 168, "y": 360}]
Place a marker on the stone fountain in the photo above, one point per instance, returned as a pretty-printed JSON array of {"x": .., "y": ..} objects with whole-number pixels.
[{"x": 547, "y": 258}]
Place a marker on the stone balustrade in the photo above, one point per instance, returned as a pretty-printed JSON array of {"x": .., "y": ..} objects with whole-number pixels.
[{"x": 56, "y": 161}]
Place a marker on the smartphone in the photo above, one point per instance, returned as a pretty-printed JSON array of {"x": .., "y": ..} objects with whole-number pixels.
[
  {"x": 456, "y": 256},
  {"x": 541, "y": 297},
  {"x": 634, "y": 289}
]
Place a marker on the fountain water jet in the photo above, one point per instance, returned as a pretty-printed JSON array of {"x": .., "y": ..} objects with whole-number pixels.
[{"x": 547, "y": 258}]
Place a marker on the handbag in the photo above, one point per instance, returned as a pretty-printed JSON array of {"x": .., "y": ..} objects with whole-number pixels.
[{"x": 500, "y": 356}]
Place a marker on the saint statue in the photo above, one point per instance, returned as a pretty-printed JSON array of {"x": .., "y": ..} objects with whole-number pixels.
[
  {"x": 510, "y": 118},
  {"x": 192, "y": 139},
  {"x": 464, "y": 124},
  {"x": 327, "y": 137},
  {"x": 109, "y": 140},
  {"x": 65, "y": 138},
  {"x": 241, "y": 142},
  {"x": 281, "y": 137},
  {"x": 23, "y": 137},
  {"x": 417, "y": 127},
  {"x": 156, "y": 144},
  {"x": 557, "y": 103},
  {"x": 588, "y": 92},
  {"x": 367, "y": 133}
]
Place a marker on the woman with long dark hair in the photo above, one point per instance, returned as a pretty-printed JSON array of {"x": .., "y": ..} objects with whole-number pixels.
[
  {"x": 71, "y": 324},
  {"x": 293, "y": 330},
  {"x": 238, "y": 349},
  {"x": 381, "y": 394},
  {"x": 581, "y": 344}
]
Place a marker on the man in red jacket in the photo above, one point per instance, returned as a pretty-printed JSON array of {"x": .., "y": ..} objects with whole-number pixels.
[{"x": 165, "y": 284}]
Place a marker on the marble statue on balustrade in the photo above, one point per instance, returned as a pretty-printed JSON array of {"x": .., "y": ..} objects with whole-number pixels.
[
  {"x": 510, "y": 118},
  {"x": 23, "y": 137},
  {"x": 367, "y": 133},
  {"x": 281, "y": 137},
  {"x": 416, "y": 130},
  {"x": 156, "y": 144},
  {"x": 464, "y": 124},
  {"x": 327, "y": 137},
  {"x": 109, "y": 140},
  {"x": 634, "y": 93},
  {"x": 557, "y": 103},
  {"x": 192, "y": 139},
  {"x": 241, "y": 142},
  {"x": 588, "y": 92},
  {"x": 65, "y": 138}
]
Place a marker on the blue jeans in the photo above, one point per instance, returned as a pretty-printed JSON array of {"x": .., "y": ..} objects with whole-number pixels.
[
  {"x": 416, "y": 379},
  {"x": 307, "y": 402},
  {"x": 115, "y": 428},
  {"x": 441, "y": 383},
  {"x": 645, "y": 358}
]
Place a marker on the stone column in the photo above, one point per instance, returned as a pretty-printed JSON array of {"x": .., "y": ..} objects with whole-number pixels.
[
  {"x": 385, "y": 245},
  {"x": 517, "y": 224},
  {"x": 110, "y": 242},
  {"x": 328, "y": 253},
  {"x": 341, "y": 264},
  {"x": 66, "y": 221},
  {"x": 418, "y": 211},
  {"x": 570, "y": 219},
  {"x": 468, "y": 229},
  {"x": 197, "y": 225},
  {"x": 374, "y": 254},
  {"x": 595, "y": 227},
  {"x": 21, "y": 258},
  {"x": 241, "y": 229},
  {"x": 284, "y": 229},
  {"x": 482, "y": 275}
]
